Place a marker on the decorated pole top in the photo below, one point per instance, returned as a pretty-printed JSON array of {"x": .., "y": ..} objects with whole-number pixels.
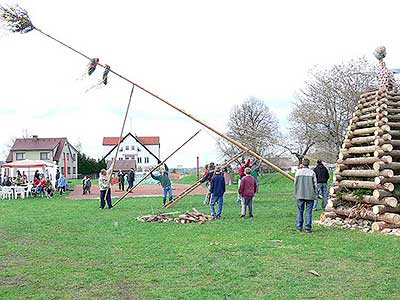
[{"x": 386, "y": 78}]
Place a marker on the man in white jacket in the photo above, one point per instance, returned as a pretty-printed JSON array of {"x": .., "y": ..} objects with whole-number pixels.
[{"x": 305, "y": 186}]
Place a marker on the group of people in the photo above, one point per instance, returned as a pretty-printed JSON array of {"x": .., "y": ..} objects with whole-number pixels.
[
  {"x": 214, "y": 178},
  {"x": 130, "y": 178},
  {"x": 309, "y": 185},
  {"x": 86, "y": 185},
  {"x": 19, "y": 180}
]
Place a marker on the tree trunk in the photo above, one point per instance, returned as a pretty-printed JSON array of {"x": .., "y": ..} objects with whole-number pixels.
[
  {"x": 380, "y": 209},
  {"x": 390, "y": 201},
  {"x": 366, "y": 173},
  {"x": 365, "y": 185}
]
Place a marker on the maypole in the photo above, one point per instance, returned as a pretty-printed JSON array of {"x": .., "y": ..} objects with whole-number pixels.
[{"x": 17, "y": 20}]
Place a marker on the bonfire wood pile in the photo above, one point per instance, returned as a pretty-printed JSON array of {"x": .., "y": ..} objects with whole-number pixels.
[
  {"x": 187, "y": 217},
  {"x": 367, "y": 177}
]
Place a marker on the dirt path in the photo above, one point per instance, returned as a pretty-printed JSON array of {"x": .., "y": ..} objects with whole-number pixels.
[{"x": 140, "y": 191}]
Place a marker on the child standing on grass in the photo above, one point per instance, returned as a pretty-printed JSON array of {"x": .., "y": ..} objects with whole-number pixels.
[
  {"x": 105, "y": 187},
  {"x": 247, "y": 189},
  {"x": 217, "y": 190},
  {"x": 165, "y": 182}
]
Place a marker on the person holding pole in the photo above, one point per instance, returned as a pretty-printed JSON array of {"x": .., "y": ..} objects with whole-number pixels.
[
  {"x": 165, "y": 182},
  {"x": 247, "y": 189},
  {"x": 217, "y": 190},
  {"x": 105, "y": 187}
]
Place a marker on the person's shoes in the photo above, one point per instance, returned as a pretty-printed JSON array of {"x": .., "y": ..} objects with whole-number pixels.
[
  {"x": 314, "y": 209},
  {"x": 251, "y": 216},
  {"x": 218, "y": 216},
  {"x": 242, "y": 216},
  {"x": 110, "y": 207},
  {"x": 308, "y": 230},
  {"x": 299, "y": 229}
]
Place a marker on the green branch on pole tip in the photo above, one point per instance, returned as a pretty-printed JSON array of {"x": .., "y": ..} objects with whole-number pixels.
[{"x": 15, "y": 19}]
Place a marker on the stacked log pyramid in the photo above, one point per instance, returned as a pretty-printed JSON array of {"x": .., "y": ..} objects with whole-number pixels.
[{"x": 367, "y": 178}]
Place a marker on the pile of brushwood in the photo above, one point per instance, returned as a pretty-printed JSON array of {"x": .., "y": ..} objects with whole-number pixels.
[{"x": 188, "y": 217}]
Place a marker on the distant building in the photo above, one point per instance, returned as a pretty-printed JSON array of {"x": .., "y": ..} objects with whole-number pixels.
[
  {"x": 138, "y": 152},
  {"x": 55, "y": 150}
]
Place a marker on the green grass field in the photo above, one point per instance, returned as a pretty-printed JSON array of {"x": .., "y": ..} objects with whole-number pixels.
[{"x": 69, "y": 249}]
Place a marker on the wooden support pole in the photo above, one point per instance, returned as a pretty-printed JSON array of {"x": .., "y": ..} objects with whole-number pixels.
[{"x": 155, "y": 168}]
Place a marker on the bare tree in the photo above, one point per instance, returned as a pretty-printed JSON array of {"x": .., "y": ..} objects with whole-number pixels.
[
  {"x": 252, "y": 124},
  {"x": 325, "y": 105}
]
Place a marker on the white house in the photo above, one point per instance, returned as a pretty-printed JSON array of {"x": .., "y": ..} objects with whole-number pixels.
[{"x": 143, "y": 150}]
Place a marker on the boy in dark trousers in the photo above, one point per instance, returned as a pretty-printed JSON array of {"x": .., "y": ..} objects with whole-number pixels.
[
  {"x": 165, "y": 182},
  {"x": 217, "y": 190},
  {"x": 247, "y": 189}
]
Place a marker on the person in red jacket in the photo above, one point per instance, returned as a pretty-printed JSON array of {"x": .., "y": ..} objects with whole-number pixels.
[
  {"x": 247, "y": 189},
  {"x": 241, "y": 175}
]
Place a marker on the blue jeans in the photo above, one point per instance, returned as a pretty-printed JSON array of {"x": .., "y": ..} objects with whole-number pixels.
[
  {"x": 300, "y": 212},
  {"x": 167, "y": 190},
  {"x": 220, "y": 201},
  {"x": 323, "y": 191},
  {"x": 103, "y": 199}
]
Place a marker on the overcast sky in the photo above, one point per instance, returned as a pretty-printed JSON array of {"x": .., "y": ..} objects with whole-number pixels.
[{"x": 203, "y": 56}]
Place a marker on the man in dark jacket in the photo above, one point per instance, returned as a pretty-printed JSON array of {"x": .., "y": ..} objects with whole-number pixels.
[
  {"x": 217, "y": 190},
  {"x": 121, "y": 180},
  {"x": 131, "y": 178},
  {"x": 322, "y": 178}
]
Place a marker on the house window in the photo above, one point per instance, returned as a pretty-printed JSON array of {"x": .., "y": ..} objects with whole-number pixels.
[
  {"x": 138, "y": 149},
  {"x": 146, "y": 160},
  {"x": 139, "y": 160},
  {"x": 120, "y": 158},
  {"x": 126, "y": 147},
  {"x": 62, "y": 170},
  {"x": 44, "y": 155},
  {"x": 132, "y": 147},
  {"x": 120, "y": 149},
  {"x": 74, "y": 170},
  {"x": 68, "y": 170},
  {"x": 68, "y": 157},
  {"x": 74, "y": 157},
  {"x": 20, "y": 156}
]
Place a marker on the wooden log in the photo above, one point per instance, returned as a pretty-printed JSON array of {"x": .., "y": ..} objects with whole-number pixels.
[
  {"x": 355, "y": 184},
  {"x": 393, "y": 153},
  {"x": 394, "y": 143},
  {"x": 365, "y": 160},
  {"x": 378, "y": 166},
  {"x": 394, "y": 133},
  {"x": 366, "y": 173},
  {"x": 391, "y": 110},
  {"x": 381, "y": 122},
  {"x": 394, "y": 125},
  {"x": 393, "y": 117},
  {"x": 389, "y": 201},
  {"x": 380, "y": 193},
  {"x": 362, "y": 140},
  {"x": 382, "y": 180},
  {"x": 341, "y": 167},
  {"x": 327, "y": 215},
  {"x": 361, "y": 149},
  {"x": 379, "y": 226},
  {"x": 363, "y": 131},
  {"x": 369, "y": 215},
  {"x": 381, "y": 209}
]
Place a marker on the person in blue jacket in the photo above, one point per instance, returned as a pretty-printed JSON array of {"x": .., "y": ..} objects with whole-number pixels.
[{"x": 217, "y": 189}]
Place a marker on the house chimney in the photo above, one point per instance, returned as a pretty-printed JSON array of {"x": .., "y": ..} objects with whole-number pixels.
[{"x": 35, "y": 137}]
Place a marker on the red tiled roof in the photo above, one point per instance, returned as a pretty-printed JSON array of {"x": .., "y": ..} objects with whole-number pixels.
[
  {"x": 27, "y": 144},
  {"x": 124, "y": 165},
  {"x": 145, "y": 140}
]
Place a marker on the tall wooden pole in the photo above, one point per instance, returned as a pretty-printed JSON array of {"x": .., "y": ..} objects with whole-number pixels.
[
  {"x": 239, "y": 145},
  {"x": 155, "y": 168},
  {"x": 119, "y": 141}
]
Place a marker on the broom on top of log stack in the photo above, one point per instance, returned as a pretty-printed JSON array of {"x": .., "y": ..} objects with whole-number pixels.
[{"x": 367, "y": 172}]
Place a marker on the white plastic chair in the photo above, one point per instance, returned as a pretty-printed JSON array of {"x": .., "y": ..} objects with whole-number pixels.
[
  {"x": 19, "y": 190},
  {"x": 8, "y": 193},
  {"x": 28, "y": 190}
]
